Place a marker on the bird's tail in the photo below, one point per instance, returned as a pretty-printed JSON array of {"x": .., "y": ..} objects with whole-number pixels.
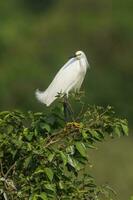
[{"x": 42, "y": 97}]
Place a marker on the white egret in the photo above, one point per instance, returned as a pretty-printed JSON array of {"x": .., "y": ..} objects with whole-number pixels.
[{"x": 69, "y": 77}]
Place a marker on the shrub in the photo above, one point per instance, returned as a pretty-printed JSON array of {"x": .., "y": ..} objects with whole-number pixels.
[{"x": 42, "y": 157}]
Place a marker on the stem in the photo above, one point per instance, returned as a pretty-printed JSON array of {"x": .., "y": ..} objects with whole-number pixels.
[{"x": 9, "y": 170}]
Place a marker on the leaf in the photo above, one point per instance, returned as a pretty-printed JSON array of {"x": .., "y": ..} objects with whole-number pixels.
[
  {"x": 125, "y": 129},
  {"x": 43, "y": 196},
  {"x": 50, "y": 187},
  {"x": 35, "y": 132},
  {"x": 94, "y": 134},
  {"x": 39, "y": 170},
  {"x": 51, "y": 156},
  {"x": 29, "y": 146},
  {"x": 81, "y": 148},
  {"x": 38, "y": 114},
  {"x": 131, "y": 198},
  {"x": 34, "y": 197},
  {"x": 4, "y": 113},
  {"x": 27, "y": 161},
  {"x": 49, "y": 173},
  {"x": 84, "y": 134},
  {"x": 14, "y": 153},
  {"x": 91, "y": 146},
  {"x": 74, "y": 163},
  {"x": 64, "y": 157},
  {"x": 117, "y": 131},
  {"x": 9, "y": 129},
  {"x": 70, "y": 150},
  {"x": 28, "y": 135},
  {"x": 46, "y": 127},
  {"x": 61, "y": 184}
]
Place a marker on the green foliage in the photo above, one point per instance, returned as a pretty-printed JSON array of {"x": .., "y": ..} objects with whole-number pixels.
[
  {"x": 38, "y": 36},
  {"x": 41, "y": 157}
]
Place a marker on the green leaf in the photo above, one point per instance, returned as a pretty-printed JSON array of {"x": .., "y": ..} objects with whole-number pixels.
[
  {"x": 46, "y": 127},
  {"x": 74, "y": 163},
  {"x": 64, "y": 157},
  {"x": 81, "y": 148},
  {"x": 29, "y": 136},
  {"x": 35, "y": 132},
  {"x": 38, "y": 114},
  {"x": 50, "y": 187},
  {"x": 125, "y": 129},
  {"x": 84, "y": 134},
  {"x": 94, "y": 134},
  {"x": 117, "y": 131},
  {"x": 27, "y": 161},
  {"x": 4, "y": 113},
  {"x": 39, "y": 170},
  {"x": 91, "y": 146},
  {"x": 61, "y": 184},
  {"x": 29, "y": 146},
  {"x": 9, "y": 129},
  {"x": 70, "y": 150},
  {"x": 49, "y": 173},
  {"x": 34, "y": 197},
  {"x": 51, "y": 156},
  {"x": 43, "y": 196}
]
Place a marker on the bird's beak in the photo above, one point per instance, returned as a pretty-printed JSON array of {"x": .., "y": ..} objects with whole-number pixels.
[{"x": 72, "y": 56}]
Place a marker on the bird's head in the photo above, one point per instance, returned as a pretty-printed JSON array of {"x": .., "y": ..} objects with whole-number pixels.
[{"x": 79, "y": 54}]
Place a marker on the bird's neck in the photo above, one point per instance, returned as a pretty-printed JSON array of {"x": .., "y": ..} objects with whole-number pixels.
[{"x": 84, "y": 64}]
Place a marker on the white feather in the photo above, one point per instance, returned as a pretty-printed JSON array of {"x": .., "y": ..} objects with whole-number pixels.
[{"x": 69, "y": 77}]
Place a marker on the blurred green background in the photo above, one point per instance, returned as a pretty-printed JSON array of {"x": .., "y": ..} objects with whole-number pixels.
[{"x": 38, "y": 36}]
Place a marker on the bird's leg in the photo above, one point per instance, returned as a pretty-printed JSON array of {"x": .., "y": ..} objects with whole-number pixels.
[
  {"x": 67, "y": 109},
  {"x": 70, "y": 110}
]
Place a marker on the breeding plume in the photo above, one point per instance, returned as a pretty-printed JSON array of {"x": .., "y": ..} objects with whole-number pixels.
[{"x": 69, "y": 77}]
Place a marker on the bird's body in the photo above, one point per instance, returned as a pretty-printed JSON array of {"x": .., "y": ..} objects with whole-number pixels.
[{"x": 69, "y": 77}]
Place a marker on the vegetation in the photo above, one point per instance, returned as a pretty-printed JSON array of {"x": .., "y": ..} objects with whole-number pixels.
[
  {"x": 42, "y": 157},
  {"x": 37, "y": 38}
]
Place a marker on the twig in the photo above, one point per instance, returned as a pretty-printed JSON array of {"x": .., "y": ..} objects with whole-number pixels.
[
  {"x": 1, "y": 167},
  {"x": 52, "y": 142},
  {"x": 81, "y": 111},
  {"x": 6, "y": 175},
  {"x": 7, "y": 181}
]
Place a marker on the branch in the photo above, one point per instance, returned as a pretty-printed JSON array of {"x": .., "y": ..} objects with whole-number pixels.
[{"x": 6, "y": 175}]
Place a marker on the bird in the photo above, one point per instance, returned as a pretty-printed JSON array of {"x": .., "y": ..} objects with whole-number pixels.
[{"x": 69, "y": 78}]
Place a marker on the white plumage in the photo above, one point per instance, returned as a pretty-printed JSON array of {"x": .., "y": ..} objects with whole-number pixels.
[{"x": 69, "y": 77}]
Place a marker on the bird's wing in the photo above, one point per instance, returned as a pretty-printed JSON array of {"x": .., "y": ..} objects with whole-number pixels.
[
  {"x": 69, "y": 62},
  {"x": 64, "y": 81}
]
